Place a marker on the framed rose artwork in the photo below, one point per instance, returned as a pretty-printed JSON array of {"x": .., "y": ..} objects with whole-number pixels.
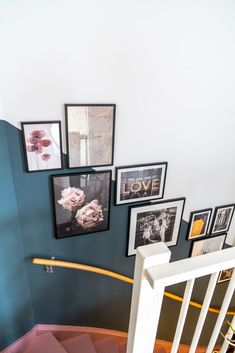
[
  {"x": 90, "y": 134},
  {"x": 81, "y": 203},
  {"x": 42, "y": 145}
]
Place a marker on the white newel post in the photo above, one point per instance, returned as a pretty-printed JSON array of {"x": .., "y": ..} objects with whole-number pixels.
[{"x": 146, "y": 302}]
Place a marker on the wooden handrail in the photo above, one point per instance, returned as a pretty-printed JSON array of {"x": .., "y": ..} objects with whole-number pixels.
[{"x": 101, "y": 271}]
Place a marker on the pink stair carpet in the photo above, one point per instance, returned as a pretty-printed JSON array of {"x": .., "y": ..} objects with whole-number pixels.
[
  {"x": 81, "y": 343},
  {"x": 46, "y": 343}
]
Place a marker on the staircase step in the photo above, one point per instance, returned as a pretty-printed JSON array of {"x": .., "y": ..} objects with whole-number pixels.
[
  {"x": 79, "y": 344},
  {"x": 159, "y": 350},
  {"x": 106, "y": 345},
  {"x": 122, "y": 347},
  {"x": 46, "y": 343}
]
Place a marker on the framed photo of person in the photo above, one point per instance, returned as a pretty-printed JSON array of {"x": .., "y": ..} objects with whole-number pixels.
[
  {"x": 90, "y": 134},
  {"x": 81, "y": 203},
  {"x": 42, "y": 145},
  {"x": 208, "y": 245},
  {"x": 154, "y": 222},
  {"x": 222, "y": 218},
  {"x": 225, "y": 275},
  {"x": 140, "y": 182},
  {"x": 198, "y": 223}
]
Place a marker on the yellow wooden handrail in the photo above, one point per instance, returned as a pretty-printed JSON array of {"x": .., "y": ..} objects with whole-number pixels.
[{"x": 101, "y": 271}]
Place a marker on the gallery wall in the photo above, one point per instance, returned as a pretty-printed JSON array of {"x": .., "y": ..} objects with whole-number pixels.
[{"x": 169, "y": 68}]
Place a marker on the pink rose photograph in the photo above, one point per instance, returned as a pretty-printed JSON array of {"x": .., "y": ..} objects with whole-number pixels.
[
  {"x": 81, "y": 203},
  {"x": 42, "y": 145}
]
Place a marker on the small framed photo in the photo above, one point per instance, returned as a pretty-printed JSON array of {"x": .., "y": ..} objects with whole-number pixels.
[
  {"x": 208, "y": 245},
  {"x": 155, "y": 222},
  {"x": 222, "y": 218},
  {"x": 42, "y": 145},
  {"x": 225, "y": 275},
  {"x": 199, "y": 223},
  {"x": 90, "y": 134},
  {"x": 81, "y": 203},
  {"x": 140, "y": 182}
]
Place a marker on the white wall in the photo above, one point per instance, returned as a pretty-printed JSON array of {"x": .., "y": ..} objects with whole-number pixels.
[{"x": 168, "y": 65}]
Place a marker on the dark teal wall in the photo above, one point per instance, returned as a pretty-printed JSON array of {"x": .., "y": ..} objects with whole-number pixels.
[
  {"x": 16, "y": 314},
  {"x": 67, "y": 296},
  {"x": 70, "y": 297}
]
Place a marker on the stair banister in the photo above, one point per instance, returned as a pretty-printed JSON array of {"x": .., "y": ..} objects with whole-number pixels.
[
  {"x": 153, "y": 273},
  {"x": 146, "y": 303}
]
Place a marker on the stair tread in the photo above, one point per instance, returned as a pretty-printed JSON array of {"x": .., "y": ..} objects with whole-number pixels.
[
  {"x": 46, "y": 343},
  {"x": 122, "y": 347},
  {"x": 79, "y": 344},
  {"x": 159, "y": 350},
  {"x": 106, "y": 345}
]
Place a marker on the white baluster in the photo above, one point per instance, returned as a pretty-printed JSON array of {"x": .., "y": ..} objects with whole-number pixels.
[
  {"x": 222, "y": 314},
  {"x": 182, "y": 316},
  {"x": 203, "y": 313}
]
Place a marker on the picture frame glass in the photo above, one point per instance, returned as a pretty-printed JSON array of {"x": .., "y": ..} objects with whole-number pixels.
[
  {"x": 140, "y": 182},
  {"x": 225, "y": 275},
  {"x": 42, "y": 145},
  {"x": 208, "y": 245},
  {"x": 199, "y": 223},
  {"x": 222, "y": 219},
  {"x": 90, "y": 134},
  {"x": 155, "y": 222},
  {"x": 81, "y": 203}
]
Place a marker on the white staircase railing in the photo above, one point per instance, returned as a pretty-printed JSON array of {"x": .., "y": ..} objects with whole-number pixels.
[{"x": 153, "y": 273}]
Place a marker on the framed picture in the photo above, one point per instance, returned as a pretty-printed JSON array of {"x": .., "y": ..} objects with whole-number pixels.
[
  {"x": 42, "y": 145},
  {"x": 222, "y": 218},
  {"x": 155, "y": 222},
  {"x": 208, "y": 245},
  {"x": 81, "y": 203},
  {"x": 90, "y": 134},
  {"x": 225, "y": 275},
  {"x": 199, "y": 223},
  {"x": 140, "y": 182}
]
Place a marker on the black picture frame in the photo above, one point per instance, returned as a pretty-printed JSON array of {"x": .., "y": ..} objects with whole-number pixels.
[
  {"x": 81, "y": 203},
  {"x": 154, "y": 222},
  {"x": 199, "y": 222},
  {"x": 90, "y": 134},
  {"x": 225, "y": 275},
  {"x": 140, "y": 182},
  {"x": 222, "y": 218},
  {"x": 42, "y": 145},
  {"x": 208, "y": 244}
]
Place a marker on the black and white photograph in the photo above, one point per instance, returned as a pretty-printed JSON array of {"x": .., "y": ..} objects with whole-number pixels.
[
  {"x": 81, "y": 203},
  {"x": 222, "y": 218},
  {"x": 198, "y": 223},
  {"x": 208, "y": 245},
  {"x": 155, "y": 222},
  {"x": 225, "y": 275},
  {"x": 90, "y": 134},
  {"x": 140, "y": 182}
]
